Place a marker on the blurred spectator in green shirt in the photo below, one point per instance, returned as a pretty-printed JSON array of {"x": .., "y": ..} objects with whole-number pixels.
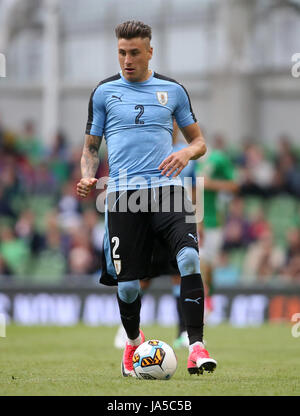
[{"x": 29, "y": 145}]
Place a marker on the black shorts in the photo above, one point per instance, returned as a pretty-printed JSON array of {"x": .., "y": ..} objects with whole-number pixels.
[{"x": 145, "y": 230}]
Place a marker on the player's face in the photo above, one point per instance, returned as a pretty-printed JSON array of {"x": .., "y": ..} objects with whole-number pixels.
[{"x": 134, "y": 57}]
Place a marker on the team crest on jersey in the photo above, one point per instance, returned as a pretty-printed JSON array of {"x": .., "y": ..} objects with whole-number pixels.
[
  {"x": 162, "y": 97},
  {"x": 117, "y": 264}
]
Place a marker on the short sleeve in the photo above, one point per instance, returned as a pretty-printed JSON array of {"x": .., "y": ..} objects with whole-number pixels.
[
  {"x": 217, "y": 166},
  {"x": 96, "y": 113},
  {"x": 183, "y": 113}
]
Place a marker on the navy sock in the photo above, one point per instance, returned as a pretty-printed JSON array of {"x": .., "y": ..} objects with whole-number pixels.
[
  {"x": 192, "y": 303},
  {"x": 181, "y": 323},
  {"x": 130, "y": 316}
]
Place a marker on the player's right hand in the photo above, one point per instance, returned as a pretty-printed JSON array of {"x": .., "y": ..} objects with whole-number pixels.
[{"x": 85, "y": 185}]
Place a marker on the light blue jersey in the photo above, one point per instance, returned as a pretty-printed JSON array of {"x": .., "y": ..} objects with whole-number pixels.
[{"x": 136, "y": 119}]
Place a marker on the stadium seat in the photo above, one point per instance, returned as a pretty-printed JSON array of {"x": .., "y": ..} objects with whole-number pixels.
[
  {"x": 282, "y": 215},
  {"x": 236, "y": 257},
  {"x": 253, "y": 205},
  {"x": 48, "y": 268}
]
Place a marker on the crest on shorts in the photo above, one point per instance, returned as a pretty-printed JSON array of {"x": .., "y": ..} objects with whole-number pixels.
[
  {"x": 117, "y": 264},
  {"x": 162, "y": 97}
]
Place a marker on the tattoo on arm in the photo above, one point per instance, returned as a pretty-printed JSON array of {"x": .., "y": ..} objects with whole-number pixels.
[{"x": 90, "y": 158}]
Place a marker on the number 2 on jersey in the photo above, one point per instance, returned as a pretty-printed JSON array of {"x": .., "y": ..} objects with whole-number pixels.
[{"x": 137, "y": 119}]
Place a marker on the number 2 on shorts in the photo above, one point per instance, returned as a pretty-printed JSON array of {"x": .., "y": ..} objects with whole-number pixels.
[{"x": 116, "y": 242}]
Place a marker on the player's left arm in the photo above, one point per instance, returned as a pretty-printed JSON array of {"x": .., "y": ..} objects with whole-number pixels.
[{"x": 177, "y": 161}]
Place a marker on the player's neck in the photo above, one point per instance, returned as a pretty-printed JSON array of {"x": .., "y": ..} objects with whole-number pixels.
[
  {"x": 147, "y": 75},
  {"x": 143, "y": 77}
]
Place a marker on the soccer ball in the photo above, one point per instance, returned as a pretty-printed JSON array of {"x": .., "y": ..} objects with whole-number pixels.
[{"x": 154, "y": 360}]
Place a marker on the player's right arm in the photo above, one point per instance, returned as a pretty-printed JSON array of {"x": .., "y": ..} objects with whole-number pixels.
[
  {"x": 89, "y": 165},
  {"x": 94, "y": 132}
]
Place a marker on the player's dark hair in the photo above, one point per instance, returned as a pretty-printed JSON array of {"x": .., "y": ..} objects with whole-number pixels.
[{"x": 133, "y": 29}]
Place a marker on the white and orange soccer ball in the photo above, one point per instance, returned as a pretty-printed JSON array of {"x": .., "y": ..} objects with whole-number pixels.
[{"x": 154, "y": 360}]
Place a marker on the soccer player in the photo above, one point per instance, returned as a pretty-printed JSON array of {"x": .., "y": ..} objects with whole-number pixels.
[{"x": 134, "y": 110}]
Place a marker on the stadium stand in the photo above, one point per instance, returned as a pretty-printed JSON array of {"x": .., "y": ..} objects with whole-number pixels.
[{"x": 48, "y": 233}]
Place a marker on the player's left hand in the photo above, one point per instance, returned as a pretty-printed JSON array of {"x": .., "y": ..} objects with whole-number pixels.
[{"x": 176, "y": 162}]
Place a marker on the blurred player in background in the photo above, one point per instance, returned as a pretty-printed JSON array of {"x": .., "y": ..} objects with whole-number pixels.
[
  {"x": 134, "y": 109},
  {"x": 219, "y": 177},
  {"x": 188, "y": 172}
]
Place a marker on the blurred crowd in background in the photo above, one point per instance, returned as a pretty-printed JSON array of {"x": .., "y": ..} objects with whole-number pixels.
[{"x": 47, "y": 233}]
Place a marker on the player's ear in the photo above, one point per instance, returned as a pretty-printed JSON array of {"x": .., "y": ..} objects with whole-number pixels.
[
  {"x": 150, "y": 52},
  {"x": 148, "y": 47}
]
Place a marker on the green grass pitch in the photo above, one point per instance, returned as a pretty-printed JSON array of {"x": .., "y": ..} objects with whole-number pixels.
[{"x": 81, "y": 361}]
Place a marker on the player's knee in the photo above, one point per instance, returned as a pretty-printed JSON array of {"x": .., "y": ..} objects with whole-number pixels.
[
  {"x": 128, "y": 291},
  {"x": 188, "y": 261}
]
